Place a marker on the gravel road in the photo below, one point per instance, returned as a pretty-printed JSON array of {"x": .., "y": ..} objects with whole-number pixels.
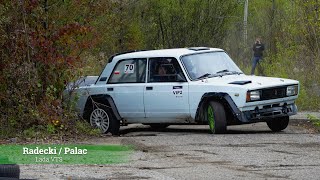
[{"x": 190, "y": 152}]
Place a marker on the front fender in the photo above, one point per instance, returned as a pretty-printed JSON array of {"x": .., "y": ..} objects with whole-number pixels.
[{"x": 223, "y": 98}]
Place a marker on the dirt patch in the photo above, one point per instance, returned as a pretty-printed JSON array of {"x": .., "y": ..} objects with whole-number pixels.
[
  {"x": 244, "y": 145},
  {"x": 206, "y": 152},
  {"x": 305, "y": 145},
  {"x": 305, "y": 124},
  {"x": 284, "y": 152},
  {"x": 139, "y": 146}
]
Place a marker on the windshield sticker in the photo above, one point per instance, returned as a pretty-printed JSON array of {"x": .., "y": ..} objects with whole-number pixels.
[{"x": 128, "y": 68}]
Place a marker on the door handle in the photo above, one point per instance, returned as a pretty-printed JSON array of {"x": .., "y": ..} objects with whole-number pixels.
[
  {"x": 149, "y": 88},
  {"x": 109, "y": 89}
]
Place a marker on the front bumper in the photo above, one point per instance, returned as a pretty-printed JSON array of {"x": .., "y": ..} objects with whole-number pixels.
[{"x": 268, "y": 112}]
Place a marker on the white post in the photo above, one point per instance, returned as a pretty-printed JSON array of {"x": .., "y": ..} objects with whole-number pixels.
[{"x": 245, "y": 21}]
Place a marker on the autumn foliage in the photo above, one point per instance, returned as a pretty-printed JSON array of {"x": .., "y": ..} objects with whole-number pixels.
[
  {"x": 38, "y": 56},
  {"x": 45, "y": 44}
]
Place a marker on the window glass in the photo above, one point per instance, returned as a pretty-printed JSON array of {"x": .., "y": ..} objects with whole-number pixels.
[
  {"x": 212, "y": 63},
  {"x": 165, "y": 69},
  {"x": 129, "y": 71}
]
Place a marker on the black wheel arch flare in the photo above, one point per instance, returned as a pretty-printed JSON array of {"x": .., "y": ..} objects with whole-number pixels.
[
  {"x": 225, "y": 100},
  {"x": 103, "y": 99}
]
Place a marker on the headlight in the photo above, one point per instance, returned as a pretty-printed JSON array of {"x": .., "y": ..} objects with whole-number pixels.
[
  {"x": 253, "y": 95},
  {"x": 292, "y": 90}
]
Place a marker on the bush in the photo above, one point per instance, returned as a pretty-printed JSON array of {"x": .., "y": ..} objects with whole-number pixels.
[
  {"x": 315, "y": 121},
  {"x": 36, "y": 62}
]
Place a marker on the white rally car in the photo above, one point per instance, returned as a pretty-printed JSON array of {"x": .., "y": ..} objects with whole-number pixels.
[{"x": 183, "y": 86}]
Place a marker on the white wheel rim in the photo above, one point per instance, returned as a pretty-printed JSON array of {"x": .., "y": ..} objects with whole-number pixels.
[{"x": 99, "y": 118}]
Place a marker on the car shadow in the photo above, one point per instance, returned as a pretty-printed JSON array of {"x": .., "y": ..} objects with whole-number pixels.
[{"x": 148, "y": 131}]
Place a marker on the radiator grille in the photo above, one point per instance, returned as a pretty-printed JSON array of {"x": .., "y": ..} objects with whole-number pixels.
[{"x": 273, "y": 93}]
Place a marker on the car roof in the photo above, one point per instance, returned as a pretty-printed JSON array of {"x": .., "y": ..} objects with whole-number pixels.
[{"x": 177, "y": 52}]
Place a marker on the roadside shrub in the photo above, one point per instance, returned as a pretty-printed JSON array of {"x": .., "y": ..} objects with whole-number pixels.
[
  {"x": 37, "y": 58},
  {"x": 315, "y": 121},
  {"x": 84, "y": 128}
]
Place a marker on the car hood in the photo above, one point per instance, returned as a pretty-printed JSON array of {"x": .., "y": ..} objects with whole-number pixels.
[{"x": 249, "y": 82}]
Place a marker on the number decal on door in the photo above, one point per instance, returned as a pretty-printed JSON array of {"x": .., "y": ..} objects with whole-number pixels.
[{"x": 129, "y": 68}]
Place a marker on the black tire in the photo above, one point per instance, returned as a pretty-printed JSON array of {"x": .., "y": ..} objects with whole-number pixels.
[
  {"x": 103, "y": 118},
  {"x": 158, "y": 126},
  {"x": 216, "y": 116},
  {"x": 10, "y": 171},
  {"x": 278, "y": 124}
]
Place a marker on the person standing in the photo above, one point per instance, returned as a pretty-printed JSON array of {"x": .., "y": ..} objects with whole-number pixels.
[{"x": 258, "y": 48}]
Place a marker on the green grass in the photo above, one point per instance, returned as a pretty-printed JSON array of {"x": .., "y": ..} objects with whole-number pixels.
[{"x": 315, "y": 121}]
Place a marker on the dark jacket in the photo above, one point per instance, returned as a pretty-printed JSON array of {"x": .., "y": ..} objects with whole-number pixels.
[{"x": 258, "y": 49}]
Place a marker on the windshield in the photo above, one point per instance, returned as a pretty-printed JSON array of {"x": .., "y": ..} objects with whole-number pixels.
[{"x": 209, "y": 65}]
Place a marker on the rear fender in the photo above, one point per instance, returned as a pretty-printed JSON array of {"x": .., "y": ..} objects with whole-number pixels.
[{"x": 103, "y": 99}]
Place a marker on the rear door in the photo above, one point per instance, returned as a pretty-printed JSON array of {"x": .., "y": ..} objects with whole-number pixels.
[{"x": 127, "y": 84}]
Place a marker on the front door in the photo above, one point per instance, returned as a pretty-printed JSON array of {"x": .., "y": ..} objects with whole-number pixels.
[{"x": 166, "y": 93}]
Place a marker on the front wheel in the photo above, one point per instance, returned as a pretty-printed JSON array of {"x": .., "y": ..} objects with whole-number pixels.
[
  {"x": 102, "y": 117},
  {"x": 216, "y": 117},
  {"x": 278, "y": 124}
]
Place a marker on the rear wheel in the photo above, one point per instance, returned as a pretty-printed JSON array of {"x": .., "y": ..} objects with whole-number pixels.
[
  {"x": 102, "y": 117},
  {"x": 216, "y": 117},
  {"x": 278, "y": 124}
]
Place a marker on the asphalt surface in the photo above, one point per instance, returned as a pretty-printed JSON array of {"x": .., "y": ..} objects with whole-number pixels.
[{"x": 190, "y": 152}]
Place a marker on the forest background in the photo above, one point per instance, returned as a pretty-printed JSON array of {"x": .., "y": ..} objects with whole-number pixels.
[{"x": 46, "y": 43}]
